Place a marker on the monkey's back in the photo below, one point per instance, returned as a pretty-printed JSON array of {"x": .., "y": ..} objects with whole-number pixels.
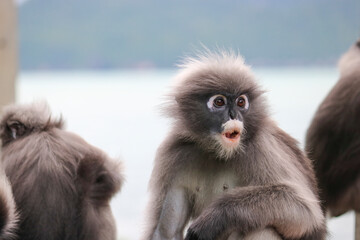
[
  {"x": 333, "y": 143},
  {"x": 42, "y": 177}
]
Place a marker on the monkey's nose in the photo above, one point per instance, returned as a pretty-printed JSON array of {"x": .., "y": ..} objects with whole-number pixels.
[{"x": 232, "y": 114}]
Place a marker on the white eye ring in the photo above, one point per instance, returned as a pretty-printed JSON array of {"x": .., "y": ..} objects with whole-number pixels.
[
  {"x": 244, "y": 97},
  {"x": 211, "y": 103}
]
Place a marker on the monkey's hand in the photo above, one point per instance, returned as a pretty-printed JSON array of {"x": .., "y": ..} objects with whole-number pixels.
[{"x": 207, "y": 226}]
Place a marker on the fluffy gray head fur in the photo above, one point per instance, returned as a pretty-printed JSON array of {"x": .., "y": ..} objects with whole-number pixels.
[{"x": 30, "y": 118}]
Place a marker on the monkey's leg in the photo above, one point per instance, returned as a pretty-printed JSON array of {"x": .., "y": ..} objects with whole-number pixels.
[
  {"x": 173, "y": 217},
  {"x": 293, "y": 211}
]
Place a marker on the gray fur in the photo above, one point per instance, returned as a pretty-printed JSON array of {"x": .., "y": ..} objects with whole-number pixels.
[
  {"x": 8, "y": 212},
  {"x": 62, "y": 185},
  {"x": 267, "y": 233},
  {"x": 268, "y": 182},
  {"x": 333, "y": 139}
]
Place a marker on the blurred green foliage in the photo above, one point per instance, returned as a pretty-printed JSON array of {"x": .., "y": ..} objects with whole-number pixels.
[{"x": 69, "y": 34}]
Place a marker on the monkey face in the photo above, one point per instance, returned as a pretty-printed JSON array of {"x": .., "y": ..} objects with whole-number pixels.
[
  {"x": 221, "y": 121},
  {"x": 218, "y": 104},
  {"x": 229, "y": 126}
]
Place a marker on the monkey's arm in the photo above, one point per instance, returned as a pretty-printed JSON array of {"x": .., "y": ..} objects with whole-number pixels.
[
  {"x": 8, "y": 213},
  {"x": 171, "y": 216},
  {"x": 169, "y": 207},
  {"x": 174, "y": 216},
  {"x": 246, "y": 209}
]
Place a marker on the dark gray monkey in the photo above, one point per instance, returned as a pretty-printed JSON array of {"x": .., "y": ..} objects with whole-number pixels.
[
  {"x": 226, "y": 165},
  {"x": 8, "y": 213},
  {"x": 62, "y": 185},
  {"x": 333, "y": 139}
]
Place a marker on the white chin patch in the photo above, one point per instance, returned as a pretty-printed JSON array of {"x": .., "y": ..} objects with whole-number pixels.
[{"x": 230, "y": 138}]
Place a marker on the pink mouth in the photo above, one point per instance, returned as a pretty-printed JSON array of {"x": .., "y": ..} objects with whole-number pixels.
[{"x": 232, "y": 135}]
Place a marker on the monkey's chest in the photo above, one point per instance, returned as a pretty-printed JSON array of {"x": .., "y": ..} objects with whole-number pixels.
[{"x": 208, "y": 184}]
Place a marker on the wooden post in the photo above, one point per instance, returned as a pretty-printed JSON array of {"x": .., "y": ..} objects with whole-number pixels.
[
  {"x": 357, "y": 225},
  {"x": 8, "y": 51}
]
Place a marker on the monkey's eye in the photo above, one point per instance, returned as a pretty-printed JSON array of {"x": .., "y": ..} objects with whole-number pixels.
[
  {"x": 243, "y": 102},
  {"x": 217, "y": 101}
]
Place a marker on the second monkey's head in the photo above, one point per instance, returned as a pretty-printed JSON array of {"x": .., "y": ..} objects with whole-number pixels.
[{"x": 217, "y": 103}]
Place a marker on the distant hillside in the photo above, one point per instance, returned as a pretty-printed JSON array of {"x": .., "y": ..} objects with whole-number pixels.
[{"x": 63, "y": 34}]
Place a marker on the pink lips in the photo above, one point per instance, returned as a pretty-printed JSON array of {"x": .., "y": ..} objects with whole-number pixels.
[{"x": 232, "y": 136}]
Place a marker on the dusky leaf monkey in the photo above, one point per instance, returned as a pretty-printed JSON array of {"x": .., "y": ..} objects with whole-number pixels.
[
  {"x": 62, "y": 185},
  {"x": 333, "y": 139},
  {"x": 226, "y": 165}
]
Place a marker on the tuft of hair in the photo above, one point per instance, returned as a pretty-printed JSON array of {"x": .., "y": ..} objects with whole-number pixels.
[
  {"x": 21, "y": 120},
  {"x": 350, "y": 61},
  {"x": 8, "y": 213},
  {"x": 220, "y": 61},
  {"x": 203, "y": 71}
]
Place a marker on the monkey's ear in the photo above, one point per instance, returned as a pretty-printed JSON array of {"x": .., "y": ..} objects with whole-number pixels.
[
  {"x": 100, "y": 177},
  {"x": 108, "y": 181},
  {"x": 12, "y": 130},
  {"x": 358, "y": 43},
  {"x": 17, "y": 129}
]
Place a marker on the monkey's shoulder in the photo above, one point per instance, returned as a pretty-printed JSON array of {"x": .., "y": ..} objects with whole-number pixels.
[
  {"x": 178, "y": 149},
  {"x": 335, "y": 125},
  {"x": 274, "y": 142},
  {"x": 276, "y": 149},
  {"x": 284, "y": 139},
  {"x": 343, "y": 100},
  {"x": 173, "y": 155}
]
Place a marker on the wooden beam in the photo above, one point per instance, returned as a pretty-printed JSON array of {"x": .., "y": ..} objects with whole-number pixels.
[{"x": 8, "y": 51}]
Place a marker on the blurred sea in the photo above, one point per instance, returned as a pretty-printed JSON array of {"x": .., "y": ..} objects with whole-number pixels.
[{"x": 118, "y": 111}]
